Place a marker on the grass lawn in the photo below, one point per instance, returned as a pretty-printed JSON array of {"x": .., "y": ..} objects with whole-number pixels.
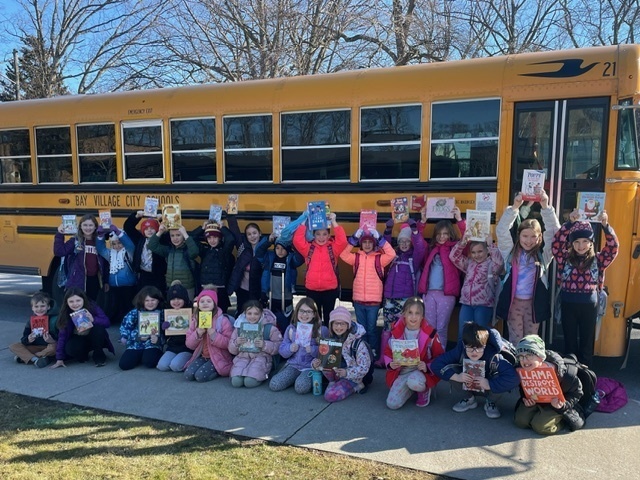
[{"x": 43, "y": 439}]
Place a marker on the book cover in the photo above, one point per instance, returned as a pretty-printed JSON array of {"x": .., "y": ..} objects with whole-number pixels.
[
  {"x": 400, "y": 209},
  {"x": 479, "y": 225},
  {"x": 178, "y": 320},
  {"x": 303, "y": 334},
  {"x": 81, "y": 320},
  {"x": 405, "y": 352},
  {"x": 205, "y": 319},
  {"x": 148, "y": 323},
  {"x": 486, "y": 201},
  {"x": 590, "y": 206},
  {"x": 104, "y": 218},
  {"x": 475, "y": 368},
  {"x": 418, "y": 202},
  {"x": 532, "y": 185},
  {"x": 368, "y": 220},
  {"x": 540, "y": 384},
  {"x": 69, "y": 224},
  {"x": 329, "y": 353},
  {"x": 251, "y": 332},
  {"x": 317, "y": 215},
  {"x": 215, "y": 213},
  {"x": 39, "y": 325},
  {"x": 440, "y": 207},
  {"x": 171, "y": 216},
  {"x": 150, "y": 207},
  {"x": 279, "y": 224},
  {"x": 232, "y": 204}
]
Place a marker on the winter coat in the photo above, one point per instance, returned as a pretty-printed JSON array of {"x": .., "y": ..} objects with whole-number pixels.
[
  {"x": 569, "y": 382},
  {"x": 451, "y": 273},
  {"x": 99, "y": 318},
  {"x": 72, "y": 250},
  {"x": 320, "y": 274},
  {"x": 247, "y": 256},
  {"x": 293, "y": 260},
  {"x": 216, "y": 263},
  {"x": 501, "y": 374},
  {"x": 300, "y": 359},
  {"x": 180, "y": 260},
  {"x": 218, "y": 346},
  {"x": 125, "y": 277},
  {"x": 255, "y": 365},
  {"x": 481, "y": 279},
  {"x": 367, "y": 285},
  {"x": 158, "y": 263},
  {"x": 357, "y": 367},
  {"x": 129, "y": 330},
  {"x": 401, "y": 281},
  {"x": 429, "y": 347}
]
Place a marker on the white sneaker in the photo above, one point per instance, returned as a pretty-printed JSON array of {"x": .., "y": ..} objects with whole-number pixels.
[
  {"x": 465, "y": 404},
  {"x": 491, "y": 410}
]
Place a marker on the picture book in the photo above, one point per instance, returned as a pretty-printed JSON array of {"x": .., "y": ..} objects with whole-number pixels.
[
  {"x": 405, "y": 352},
  {"x": 205, "y": 319},
  {"x": 475, "y": 368},
  {"x": 317, "y": 215},
  {"x": 148, "y": 323},
  {"x": 330, "y": 353},
  {"x": 400, "y": 209},
  {"x": 590, "y": 206},
  {"x": 532, "y": 185},
  {"x": 104, "y": 218},
  {"x": 251, "y": 332},
  {"x": 171, "y": 216},
  {"x": 39, "y": 325},
  {"x": 368, "y": 220},
  {"x": 303, "y": 334},
  {"x": 540, "y": 384},
  {"x": 486, "y": 201},
  {"x": 478, "y": 225},
  {"x": 418, "y": 202},
  {"x": 69, "y": 224},
  {"x": 279, "y": 224},
  {"x": 215, "y": 213},
  {"x": 232, "y": 204},
  {"x": 440, "y": 207},
  {"x": 150, "y": 207},
  {"x": 82, "y": 320},
  {"x": 178, "y": 320}
]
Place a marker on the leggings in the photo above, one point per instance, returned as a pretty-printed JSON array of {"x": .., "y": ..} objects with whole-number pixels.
[
  {"x": 437, "y": 309},
  {"x": 520, "y": 320}
]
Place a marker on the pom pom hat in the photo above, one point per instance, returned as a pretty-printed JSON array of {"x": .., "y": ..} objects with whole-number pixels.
[
  {"x": 212, "y": 230},
  {"x": 208, "y": 293},
  {"x": 178, "y": 291}
]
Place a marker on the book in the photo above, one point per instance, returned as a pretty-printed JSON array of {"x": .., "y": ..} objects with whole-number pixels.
[
  {"x": 400, "y": 209},
  {"x": 532, "y": 185},
  {"x": 329, "y": 353},
  {"x": 590, "y": 206},
  {"x": 405, "y": 352},
  {"x": 232, "y": 204},
  {"x": 440, "y": 207},
  {"x": 81, "y": 319},
  {"x": 418, "y": 202},
  {"x": 368, "y": 220},
  {"x": 178, "y": 320},
  {"x": 479, "y": 225},
  {"x": 69, "y": 224},
  {"x": 39, "y": 325},
  {"x": 279, "y": 223},
  {"x": 475, "y": 368},
  {"x": 303, "y": 334},
  {"x": 251, "y": 332},
  {"x": 171, "y": 216},
  {"x": 205, "y": 319},
  {"x": 150, "y": 207},
  {"x": 317, "y": 215},
  {"x": 104, "y": 218},
  {"x": 215, "y": 213},
  {"x": 486, "y": 201},
  {"x": 540, "y": 384},
  {"x": 148, "y": 323}
]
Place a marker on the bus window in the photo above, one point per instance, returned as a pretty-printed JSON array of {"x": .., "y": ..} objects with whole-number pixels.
[
  {"x": 390, "y": 142},
  {"x": 584, "y": 143},
  {"x": 248, "y": 148},
  {"x": 193, "y": 150},
  {"x": 464, "y": 139},
  {"x": 97, "y": 152},
  {"x": 628, "y": 133},
  {"x": 142, "y": 150},
  {"x": 533, "y": 140},
  {"x": 53, "y": 147},
  {"x": 316, "y": 145},
  {"x": 15, "y": 156}
]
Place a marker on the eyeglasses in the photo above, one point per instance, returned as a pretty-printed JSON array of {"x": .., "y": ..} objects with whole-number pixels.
[
  {"x": 305, "y": 312},
  {"x": 525, "y": 356},
  {"x": 469, "y": 348}
]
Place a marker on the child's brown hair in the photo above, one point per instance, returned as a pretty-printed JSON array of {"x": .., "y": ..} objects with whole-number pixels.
[
  {"x": 317, "y": 321},
  {"x": 528, "y": 224},
  {"x": 148, "y": 291},
  {"x": 444, "y": 225},
  {"x": 41, "y": 297},
  {"x": 474, "y": 335}
]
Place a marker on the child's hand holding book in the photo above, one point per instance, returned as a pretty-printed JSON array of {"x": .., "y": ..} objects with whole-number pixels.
[{"x": 259, "y": 343}]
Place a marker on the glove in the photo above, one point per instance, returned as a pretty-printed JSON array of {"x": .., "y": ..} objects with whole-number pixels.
[
  {"x": 389, "y": 223},
  {"x": 100, "y": 231},
  {"x": 165, "y": 325},
  {"x": 353, "y": 241},
  {"x": 358, "y": 233},
  {"x": 115, "y": 230},
  {"x": 264, "y": 299},
  {"x": 375, "y": 234},
  {"x": 413, "y": 225}
]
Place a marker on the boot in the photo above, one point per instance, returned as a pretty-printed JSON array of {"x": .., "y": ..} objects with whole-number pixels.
[{"x": 384, "y": 340}]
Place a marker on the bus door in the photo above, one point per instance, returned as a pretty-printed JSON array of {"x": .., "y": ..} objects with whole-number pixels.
[{"x": 567, "y": 139}]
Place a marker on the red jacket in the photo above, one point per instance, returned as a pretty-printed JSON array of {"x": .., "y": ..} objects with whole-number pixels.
[{"x": 320, "y": 270}]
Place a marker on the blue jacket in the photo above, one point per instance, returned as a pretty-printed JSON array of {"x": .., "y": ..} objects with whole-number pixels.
[
  {"x": 293, "y": 259},
  {"x": 129, "y": 330},
  {"x": 245, "y": 256},
  {"x": 125, "y": 276}
]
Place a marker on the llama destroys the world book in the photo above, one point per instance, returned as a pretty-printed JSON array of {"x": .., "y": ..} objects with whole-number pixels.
[{"x": 540, "y": 384}]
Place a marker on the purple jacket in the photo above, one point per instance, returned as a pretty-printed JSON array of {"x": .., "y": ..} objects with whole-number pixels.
[
  {"x": 300, "y": 359},
  {"x": 76, "y": 276},
  {"x": 400, "y": 282},
  {"x": 99, "y": 318}
]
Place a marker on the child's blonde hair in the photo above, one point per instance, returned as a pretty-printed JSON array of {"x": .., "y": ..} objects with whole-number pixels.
[
  {"x": 410, "y": 302},
  {"x": 528, "y": 224}
]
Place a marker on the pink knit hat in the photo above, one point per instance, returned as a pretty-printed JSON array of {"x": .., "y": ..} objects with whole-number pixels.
[
  {"x": 208, "y": 293},
  {"x": 340, "y": 314}
]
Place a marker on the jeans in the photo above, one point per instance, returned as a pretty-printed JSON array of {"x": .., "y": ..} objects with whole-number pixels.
[
  {"x": 478, "y": 314},
  {"x": 367, "y": 316}
]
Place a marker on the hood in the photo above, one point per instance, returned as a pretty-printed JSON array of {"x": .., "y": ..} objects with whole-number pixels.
[
  {"x": 357, "y": 330},
  {"x": 267, "y": 317}
]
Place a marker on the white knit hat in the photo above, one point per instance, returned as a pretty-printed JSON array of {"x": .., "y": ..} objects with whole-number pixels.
[{"x": 405, "y": 233}]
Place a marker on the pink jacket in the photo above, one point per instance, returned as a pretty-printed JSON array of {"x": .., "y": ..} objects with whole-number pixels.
[
  {"x": 481, "y": 279},
  {"x": 451, "y": 273},
  {"x": 218, "y": 347},
  {"x": 367, "y": 286},
  {"x": 320, "y": 271}
]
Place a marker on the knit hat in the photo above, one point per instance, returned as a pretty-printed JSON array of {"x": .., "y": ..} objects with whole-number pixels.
[
  {"x": 405, "y": 233},
  {"x": 340, "y": 314},
  {"x": 532, "y": 344},
  {"x": 283, "y": 243},
  {"x": 177, "y": 290},
  {"x": 581, "y": 230},
  {"x": 366, "y": 235},
  {"x": 149, "y": 222},
  {"x": 212, "y": 230},
  {"x": 208, "y": 293}
]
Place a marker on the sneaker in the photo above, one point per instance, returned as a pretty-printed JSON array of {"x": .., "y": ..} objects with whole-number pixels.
[
  {"x": 491, "y": 410},
  {"x": 465, "y": 404},
  {"x": 41, "y": 362},
  {"x": 17, "y": 359},
  {"x": 423, "y": 398}
]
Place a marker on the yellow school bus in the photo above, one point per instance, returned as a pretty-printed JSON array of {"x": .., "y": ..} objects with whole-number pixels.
[{"x": 355, "y": 139}]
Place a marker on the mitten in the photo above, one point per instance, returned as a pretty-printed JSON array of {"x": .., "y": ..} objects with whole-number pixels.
[
  {"x": 115, "y": 230},
  {"x": 389, "y": 223}
]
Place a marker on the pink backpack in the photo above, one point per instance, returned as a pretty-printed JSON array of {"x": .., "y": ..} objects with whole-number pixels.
[{"x": 615, "y": 395}]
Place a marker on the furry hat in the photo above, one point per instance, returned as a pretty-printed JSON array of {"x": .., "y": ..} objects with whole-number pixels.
[
  {"x": 149, "y": 222},
  {"x": 340, "y": 314},
  {"x": 532, "y": 344},
  {"x": 581, "y": 230}
]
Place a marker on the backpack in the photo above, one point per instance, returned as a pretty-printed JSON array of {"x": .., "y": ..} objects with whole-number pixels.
[
  {"x": 353, "y": 351},
  {"x": 378, "y": 264},
  {"x": 275, "y": 359},
  {"x": 589, "y": 400}
]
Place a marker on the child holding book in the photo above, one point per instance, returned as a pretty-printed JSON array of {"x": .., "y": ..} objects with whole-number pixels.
[
  {"x": 38, "y": 343},
  {"x": 149, "y": 267},
  {"x": 548, "y": 418},
  {"x": 524, "y": 300},
  {"x": 177, "y": 354},
  {"x": 477, "y": 364},
  {"x": 300, "y": 347},
  {"x": 348, "y": 378},
  {"x": 251, "y": 366},
  {"x": 142, "y": 348},
  {"x": 77, "y": 343},
  {"x": 211, "y": 357}
]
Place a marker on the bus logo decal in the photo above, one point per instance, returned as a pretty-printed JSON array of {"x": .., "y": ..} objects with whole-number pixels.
[{"x": 571, "y": 67}]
